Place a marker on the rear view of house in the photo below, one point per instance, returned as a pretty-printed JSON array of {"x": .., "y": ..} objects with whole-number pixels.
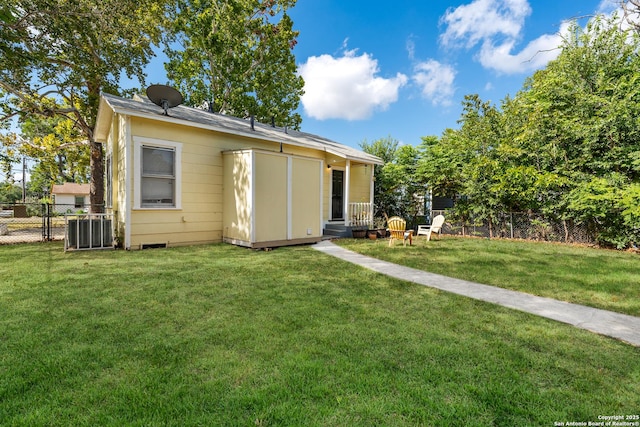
[{"x": 191, "y": 177}]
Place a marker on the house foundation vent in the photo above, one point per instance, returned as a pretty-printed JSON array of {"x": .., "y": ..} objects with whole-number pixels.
[{"x": 153, "y": 245}]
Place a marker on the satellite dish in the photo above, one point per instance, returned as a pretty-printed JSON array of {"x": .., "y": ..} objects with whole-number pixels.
[{"x": 164, "y": 96}]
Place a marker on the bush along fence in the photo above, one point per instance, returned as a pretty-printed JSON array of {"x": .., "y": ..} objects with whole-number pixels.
[
  {"x": 34, "y": 222},
  {"x": 519, "y": 225}
]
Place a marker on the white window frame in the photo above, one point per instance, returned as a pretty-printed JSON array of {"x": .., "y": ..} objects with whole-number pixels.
[
  {"x": 138, "y": 144},
  {"x": 109, "y": 180}
]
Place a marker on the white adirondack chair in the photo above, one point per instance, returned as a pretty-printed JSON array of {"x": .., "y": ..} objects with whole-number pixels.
[{"x": 435, "y": 227}]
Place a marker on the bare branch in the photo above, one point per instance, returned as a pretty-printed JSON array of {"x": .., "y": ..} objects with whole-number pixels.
[{"x": 538, "y": 52}]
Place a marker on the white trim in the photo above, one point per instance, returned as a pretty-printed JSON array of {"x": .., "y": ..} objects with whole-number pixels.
[
  {"x": 344, "y": 175},
  {"x": 321, "y": 225},
  {"x": 371, "y": 191},
  {"x": 289, "y": 197},
  {"x": 138, "y": 143},
  {"x": 252, "y": 191},
  {"x": 347, "y": 184},
  {"x": 128, "y": 159}
]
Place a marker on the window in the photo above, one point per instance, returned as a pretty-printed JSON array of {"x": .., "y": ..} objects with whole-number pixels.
[
  {"x": 79, "y": 202},
  {"x": 157, "y": 180},
  {"x": 158, "y": 184}
]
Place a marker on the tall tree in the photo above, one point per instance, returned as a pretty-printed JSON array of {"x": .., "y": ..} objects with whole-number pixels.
[
  {"x": 398, "y": 190},
  {"x": 236, "y": 56},
  {"x": 566, "y": 145},
  {"x": 583, "y": 122},
  {"x": 10, "y": 192},
  {"x": 56, "y": 145},
  {"x": 73, "y": 50},
  {"x": 383, "y": 186},
  {"x": 472, "y": 158}
]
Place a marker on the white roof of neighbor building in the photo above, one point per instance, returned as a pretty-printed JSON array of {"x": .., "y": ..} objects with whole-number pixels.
[
  {"x": 71, "y": 188},
  {"x": 142, "y": 107}
]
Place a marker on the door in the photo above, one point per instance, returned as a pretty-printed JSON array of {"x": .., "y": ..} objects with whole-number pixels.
[{"x": 337, "y": 195}]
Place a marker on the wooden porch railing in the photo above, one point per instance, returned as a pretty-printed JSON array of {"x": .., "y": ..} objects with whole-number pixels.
[{"x": 360, "y": 215}]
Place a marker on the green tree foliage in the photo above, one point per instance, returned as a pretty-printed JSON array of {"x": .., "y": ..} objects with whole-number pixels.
[
  {"x": 383, "y": 186},
  {"x": 583, "y": 123},
  {"x": 440, "y": 164},
  {"x": 73, "y": 50},
  {"x": 567, "y": 145},
  {"x": 398, "y": 189},
  {"x": 8, "y": 157},
  {"x": 10, "y": 192},
  {"x": 237, "y": 57},
  {"x": 58, "y": 146}
]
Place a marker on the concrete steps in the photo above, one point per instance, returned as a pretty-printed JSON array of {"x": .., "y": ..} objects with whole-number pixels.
[{"x": 336, "y": 230}]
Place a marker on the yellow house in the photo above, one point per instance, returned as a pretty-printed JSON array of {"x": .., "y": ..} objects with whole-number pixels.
[{"x": 192, "y": 177}]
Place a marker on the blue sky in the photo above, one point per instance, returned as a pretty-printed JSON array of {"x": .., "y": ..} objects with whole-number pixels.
[{"x": 373, "y": 71}]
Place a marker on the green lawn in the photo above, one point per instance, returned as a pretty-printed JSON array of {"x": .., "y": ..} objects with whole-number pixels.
[
  {"x": 594, "y": 277},
  {"x": 219, "y": 335}
]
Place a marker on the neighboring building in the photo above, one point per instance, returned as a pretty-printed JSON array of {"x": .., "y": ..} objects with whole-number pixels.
[
  {"x": 70, "y": 197},
  {"x": 194, "y": 177}
]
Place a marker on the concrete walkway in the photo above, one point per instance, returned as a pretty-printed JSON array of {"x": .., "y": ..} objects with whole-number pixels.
[{"x": 619, "y": 326}]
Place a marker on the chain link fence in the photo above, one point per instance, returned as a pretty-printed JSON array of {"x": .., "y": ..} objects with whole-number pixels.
[
  {"x": 520, "y": 225},
  {"x": 33, "y": 222}
]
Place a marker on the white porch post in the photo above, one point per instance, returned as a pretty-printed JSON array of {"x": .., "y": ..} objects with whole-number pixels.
[
  {"x": 371, "y": 191},
  {"x": 347, "y": 182},
  {"x": 128, "y": 181}
]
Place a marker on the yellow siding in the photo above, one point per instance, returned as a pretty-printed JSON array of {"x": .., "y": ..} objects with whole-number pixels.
[
  {"x": 326, "y": 194},
  {"x": 305, "y": 198},
  {"x": 117, "y": 146},
  {"x": 237, "y": 196},
  {"x": 200, "y": 218},
  {"x": 212, "y": 196},
  {"x": 270, "y": 179},
  {"x": 360, "y": 187}
]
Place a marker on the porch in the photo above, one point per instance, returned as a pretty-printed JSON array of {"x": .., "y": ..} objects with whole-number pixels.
[{"x": 359, "y": 216}]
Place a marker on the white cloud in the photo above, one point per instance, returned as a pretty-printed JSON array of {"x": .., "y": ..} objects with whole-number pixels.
[
  {"x": 626, "y": 20},
  {"x": 436, "y": 81},
  {"x": 346, "y": 87},
  {"x": 482, "y": 19},
  {"x": 608, "y": 6},
  {"x": 496, "y": 25},
  {"x": 536, "y": 54}
]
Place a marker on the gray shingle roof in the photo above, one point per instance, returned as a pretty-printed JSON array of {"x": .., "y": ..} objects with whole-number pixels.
[{"x": 232, "y": 125}]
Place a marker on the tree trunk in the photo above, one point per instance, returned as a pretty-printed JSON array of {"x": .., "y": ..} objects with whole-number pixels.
[{"x": 96, "y": 196}]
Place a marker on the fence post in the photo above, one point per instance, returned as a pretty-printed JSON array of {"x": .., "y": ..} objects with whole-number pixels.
[
  {"x": 49, "y": 213},
  {"x": 43, "y": 214},
  {"x": 511, "y": 223}
]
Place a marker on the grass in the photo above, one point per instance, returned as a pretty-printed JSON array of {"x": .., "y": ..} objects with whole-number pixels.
[
  {"x": 594, "y": 277},
  {"x": 219, "y": 335}
]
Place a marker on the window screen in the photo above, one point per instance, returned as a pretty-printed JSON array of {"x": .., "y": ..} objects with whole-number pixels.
[{"x": 158, "y": 181}]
